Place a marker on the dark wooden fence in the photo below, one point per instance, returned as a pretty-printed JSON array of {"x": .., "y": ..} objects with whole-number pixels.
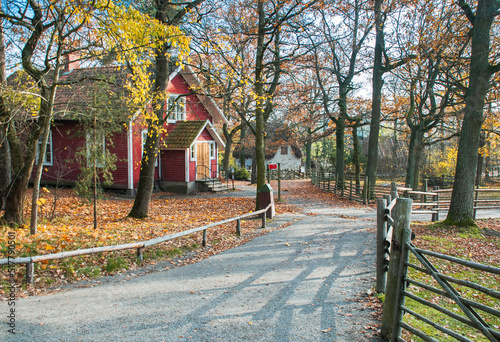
[
  {"x": 440, "y": 298},
  {"x": 355, "y": 191}
]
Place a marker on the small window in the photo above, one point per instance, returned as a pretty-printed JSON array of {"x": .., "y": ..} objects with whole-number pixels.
[
  {"x": 213, "y": 153},
  {"x": 176, "y": 107},
  {"x": 284, "y": 149},
  {"x": 193, "y": 152},
  {"x": 96, "y": 148},
  {"x": 47, "y": 158},
  {"x": 144, "y": 135}
]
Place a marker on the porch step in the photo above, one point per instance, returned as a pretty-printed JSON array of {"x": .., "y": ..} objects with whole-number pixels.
[{"x": 214, "y": 186}]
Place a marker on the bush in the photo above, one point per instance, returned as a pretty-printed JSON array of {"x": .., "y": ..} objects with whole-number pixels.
[{"x": 241, "y": 174}]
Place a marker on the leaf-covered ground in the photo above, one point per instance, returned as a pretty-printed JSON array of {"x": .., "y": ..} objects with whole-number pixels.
[{"x": 66, "y": 223}]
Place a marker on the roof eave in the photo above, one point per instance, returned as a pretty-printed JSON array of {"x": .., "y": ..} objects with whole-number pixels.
[{"x": 206, "y": 100}]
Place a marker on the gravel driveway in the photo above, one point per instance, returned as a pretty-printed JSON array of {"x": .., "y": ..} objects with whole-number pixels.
[{"x": 305, "y": 282}]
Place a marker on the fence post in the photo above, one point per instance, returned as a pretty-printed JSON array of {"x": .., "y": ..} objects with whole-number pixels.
[
  {"x": 435, "y": 199},
  {"x": 140, "y": 254},
  {"x": 365, "y": 191},
  {"x": 204, "y": 242},
  {"x": 381, "y": 238},
  {"x": 401, "y": 286},
  {"x": 264, "y": 219},
  {"x": 350, "y": 190},
  {"x": 329, "y": 178},
  {"x": 424, "y": 197},
  {"x": 238, "y": 227},
  {"x": 279, "y": 181},
  {"x": 476, "y": 196},
  {"x": 394, "y": 190},
  {"x": 30, "y": 273},
  {"x": 402, "y": 219}
]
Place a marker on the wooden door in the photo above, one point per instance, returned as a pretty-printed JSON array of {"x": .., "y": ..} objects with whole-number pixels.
[{"x": 203, "y": 161}]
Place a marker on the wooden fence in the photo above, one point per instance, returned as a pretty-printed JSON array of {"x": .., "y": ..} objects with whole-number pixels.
[
  {"x": 288, "y": 174},
  {"x": 394, "y": 278},
  {"x": 437, "y": 200},
  {"x": 139, "y": 246},
  {"x": 354, "y": 191},
  {"x": 425, "y": 202}
]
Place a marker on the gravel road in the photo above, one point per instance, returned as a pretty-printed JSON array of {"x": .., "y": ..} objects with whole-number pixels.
[{"x": 305, "y": 282}]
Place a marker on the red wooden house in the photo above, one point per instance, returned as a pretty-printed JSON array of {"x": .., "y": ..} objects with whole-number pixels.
[{"x": 189, "y": 149}]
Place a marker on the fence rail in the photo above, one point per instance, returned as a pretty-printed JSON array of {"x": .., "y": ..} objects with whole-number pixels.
[
  {"x": 288, "y": 174},
  {"x": 139, "y": 246},
  {"x": 354, "y": 189},
  {"x": 425, "y": 201}
]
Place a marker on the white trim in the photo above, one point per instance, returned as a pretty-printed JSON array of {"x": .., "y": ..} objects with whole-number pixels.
[
  {"x": 130, "y": 157},
  {"x": 212, "y": 132},
  {"x": 212, "y": 144},
  {"x": 186, "y": 167},
  {"x": 49, "y": 148},
  {"x": 180, "y": 99},
  {"x": 99, "y": 135},
  {"x": 206, "y": 100},
  {"x": 175, "y": 73},
  {"x": 193, "y": 152}
]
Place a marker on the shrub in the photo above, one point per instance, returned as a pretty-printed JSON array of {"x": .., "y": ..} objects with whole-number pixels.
[{"x": 241, "y": 174}]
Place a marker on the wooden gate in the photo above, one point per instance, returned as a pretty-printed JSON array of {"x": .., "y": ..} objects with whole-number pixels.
[{"x": 435, "y": 306}]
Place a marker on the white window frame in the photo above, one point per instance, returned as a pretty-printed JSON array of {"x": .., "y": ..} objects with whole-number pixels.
[
  {"x": 213, "y": 150},
  {"x": 48, "y": 151},
  {"x": 178, "y": 104},
  {"x": 144, "y": 132},
  {"x": 90, "y": 137},
  {"x": 193, "y": 152}
]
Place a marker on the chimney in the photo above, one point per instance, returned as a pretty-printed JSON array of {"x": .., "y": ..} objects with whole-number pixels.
[{"x": 71, "y": 61}]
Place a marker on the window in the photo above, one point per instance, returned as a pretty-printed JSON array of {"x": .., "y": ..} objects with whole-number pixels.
[
  {"x": 212, "y": 150},
  {"x": 176, "y": 107},
  {"x": 96, "y": 148},
  {"x": 193, "y": 152},
  {"x": 144, "y": 136},
  {"x": 284, "y": 149},
  {"x": 47, "y": 158}
]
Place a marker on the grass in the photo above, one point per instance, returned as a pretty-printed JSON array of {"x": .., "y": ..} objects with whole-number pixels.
[{"x": 465, "y": 243}]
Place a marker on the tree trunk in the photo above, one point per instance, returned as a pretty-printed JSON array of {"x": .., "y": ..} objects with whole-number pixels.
[
  {"x": 227, "y": 149},
  {"x": 21, "y": 168},
  {"x": 340, "y": 139},
  {"x": 355, "y": 151},
  {"x": 45, "y": 128},
  {"x": 260, "y": 126},
  {"x": 487, "y": 163},
  {"x": 243, "y": 153},
  {"x": 395, "y": 149},
  {"x": 414, "y": 157},
  {"x": 340, "y": 153},
  {"x": 4, "y": 119},
  {"x": 462, "y": 198},
  {"x": 140, "y": 208},
  {"x": 253, "y": 176},
  {"x": 480, "y": 160},
  {"x": 377, "y": 83},
  {"x": 308, "y": 149}
]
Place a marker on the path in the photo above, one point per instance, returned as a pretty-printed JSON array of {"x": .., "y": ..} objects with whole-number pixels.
[{"x": 305, "y": 282}]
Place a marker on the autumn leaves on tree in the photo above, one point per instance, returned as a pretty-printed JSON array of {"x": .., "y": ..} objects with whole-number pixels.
[{"x": 430, "y": 67}]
